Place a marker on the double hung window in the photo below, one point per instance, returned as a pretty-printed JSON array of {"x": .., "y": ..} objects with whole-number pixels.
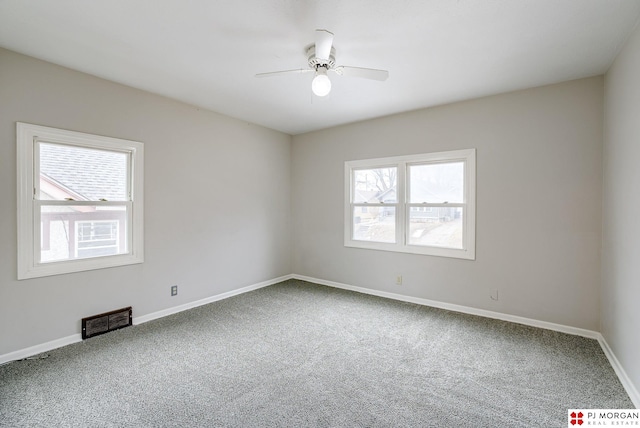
[
  {"x": 79, "y": 201},
  {"x": 423, "y": 204}
]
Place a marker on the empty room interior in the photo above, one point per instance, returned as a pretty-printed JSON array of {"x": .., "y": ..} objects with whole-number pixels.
[{"x": 318, "y": 213}]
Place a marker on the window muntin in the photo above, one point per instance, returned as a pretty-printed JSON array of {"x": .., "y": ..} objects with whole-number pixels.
[
  {"x": 81, "y": 194},
  {"x": 428, "y": 207}
]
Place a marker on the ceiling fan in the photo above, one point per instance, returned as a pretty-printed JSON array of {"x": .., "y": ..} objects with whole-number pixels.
[{"x": 322, "y": 59}]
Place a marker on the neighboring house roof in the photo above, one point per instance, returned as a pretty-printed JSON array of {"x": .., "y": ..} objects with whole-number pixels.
[
  {"x": 366, "y": 195},
  {"x": 387, "y": 195},
  {"x": 92, "y": 174}
]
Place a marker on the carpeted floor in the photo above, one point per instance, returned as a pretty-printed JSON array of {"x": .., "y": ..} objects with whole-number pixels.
[{"x": 297, "y": 354}]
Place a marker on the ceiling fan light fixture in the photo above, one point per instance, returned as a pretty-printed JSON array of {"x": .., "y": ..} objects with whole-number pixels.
[
  {"x": 321, "y": 85},
  {"x": 321, "y": 58}
]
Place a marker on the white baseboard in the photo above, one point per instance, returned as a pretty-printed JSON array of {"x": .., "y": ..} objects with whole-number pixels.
[
  {"x": 458, "y": 308},
  {"x": 632, "y": 391},
  {"x": 39, "y": 349},
  {"x": 622, "y": 375},
  {"x": 74, "y": 338},
  {"x": 174, "y": 310}
]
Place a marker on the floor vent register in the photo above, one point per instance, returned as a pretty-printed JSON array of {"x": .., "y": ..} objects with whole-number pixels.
[{"x": 104, "y": 323}]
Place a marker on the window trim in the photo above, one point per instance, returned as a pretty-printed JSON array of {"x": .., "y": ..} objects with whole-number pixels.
[
  {"x": 468, "y": 156},
  {"x": 28, "y": 136}
]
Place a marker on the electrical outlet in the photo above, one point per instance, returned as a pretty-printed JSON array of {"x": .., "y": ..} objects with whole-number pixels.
[
  {"x": 174, "y": 290},
  {"x": 399, "y": 280}
]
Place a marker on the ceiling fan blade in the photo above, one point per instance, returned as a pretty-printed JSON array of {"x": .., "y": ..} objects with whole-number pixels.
[
  {"x": 278, "y": 73},
  {"x": 366, "y": 73},
  {"x": 324, "y": 40}
]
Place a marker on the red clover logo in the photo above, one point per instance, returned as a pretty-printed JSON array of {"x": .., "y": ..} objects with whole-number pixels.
[{"x": 576, "y": 418}]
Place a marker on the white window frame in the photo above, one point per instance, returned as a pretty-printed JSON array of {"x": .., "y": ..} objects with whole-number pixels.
[
  {"x": 29, "y": 234},
  {"x": 402, "y": 163}
]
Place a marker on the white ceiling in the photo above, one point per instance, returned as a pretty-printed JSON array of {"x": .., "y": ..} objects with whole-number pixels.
[{"x": 206, "y": 52}]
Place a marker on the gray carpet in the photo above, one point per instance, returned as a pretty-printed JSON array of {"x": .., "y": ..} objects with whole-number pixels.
[{"x": 297, "y": 354}]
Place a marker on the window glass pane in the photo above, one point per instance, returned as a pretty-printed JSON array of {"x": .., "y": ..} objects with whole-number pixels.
[
  {"x": 78, "y": 232},
  {"x": 375, "y": 185},
  {"x": 435, "y": 226},
  {"x": 376, "y": 224},
  {"x": 97, "y": 238},
  {"x": 82, "y": 174},
  {"x": 437, "y": 183}
]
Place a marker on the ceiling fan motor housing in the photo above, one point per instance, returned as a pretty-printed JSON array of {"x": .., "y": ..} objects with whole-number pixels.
[{"x": 315, "y": 62}]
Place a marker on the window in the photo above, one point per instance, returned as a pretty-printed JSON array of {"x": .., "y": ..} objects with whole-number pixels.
[
  {"x": 79, "y": 201},
  {"x": 423, "y": 204}
]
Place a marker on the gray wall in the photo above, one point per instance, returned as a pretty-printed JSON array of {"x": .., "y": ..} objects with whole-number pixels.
[
  {"x": 217, "y": 201},
  {"x": 621, "y": 207},
  {"x": 539, "y": 193}
]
